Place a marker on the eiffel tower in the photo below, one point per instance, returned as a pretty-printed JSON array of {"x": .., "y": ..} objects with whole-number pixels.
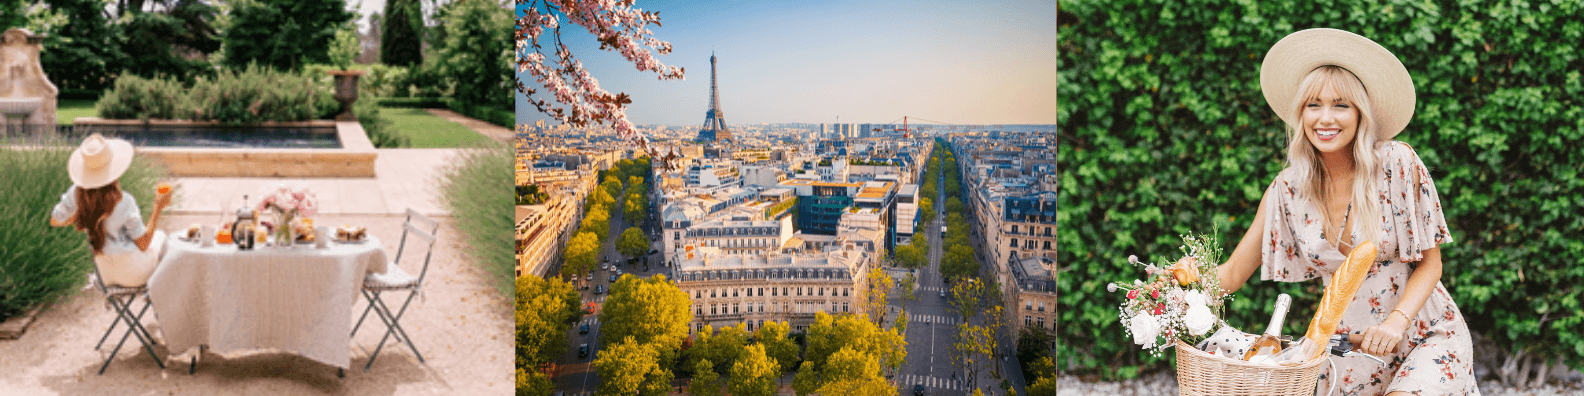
[{"x": 715, "y": 120}]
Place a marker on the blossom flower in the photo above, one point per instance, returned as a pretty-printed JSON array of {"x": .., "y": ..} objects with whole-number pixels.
[
  {"x": 1186, "y": 271},
  {"x": 1199, "y": 320},
  {"x": 1145, "y": 329}
]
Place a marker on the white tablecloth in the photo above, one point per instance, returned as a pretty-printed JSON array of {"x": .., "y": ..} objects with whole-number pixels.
[{"x": 297, "y": 299}]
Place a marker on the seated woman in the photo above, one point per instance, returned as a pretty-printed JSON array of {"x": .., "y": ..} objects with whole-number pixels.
[
  {"x": 124, "y": 248},
  {"x": 1343, "y": 98}
]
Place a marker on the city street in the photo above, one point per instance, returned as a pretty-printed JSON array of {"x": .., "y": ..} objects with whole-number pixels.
[
  {"x": 931, "y": 324},
  {"x": 576, "y": 374}
]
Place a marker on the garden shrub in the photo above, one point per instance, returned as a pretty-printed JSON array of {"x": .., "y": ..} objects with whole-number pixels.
[
  {"x": 257, "y": 94},
  {"x": 1164, "y": 130},
  {"x": 252, "y": 95},
  {"x": 479, "y": 194},
  {"x": 135, "y": 97},
  {"x": 39, "y": 263}
]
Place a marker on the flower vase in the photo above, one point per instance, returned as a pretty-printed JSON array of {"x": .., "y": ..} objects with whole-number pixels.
[{"x": 283, "y": 230}]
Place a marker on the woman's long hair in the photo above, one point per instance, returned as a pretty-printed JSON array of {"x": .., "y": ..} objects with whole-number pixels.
[
  {"x": 1304, "y": 158},
  {"x": 93, "y": 207}
]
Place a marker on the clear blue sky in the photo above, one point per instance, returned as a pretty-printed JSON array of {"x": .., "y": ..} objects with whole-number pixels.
[{"x": 960, "y": 62}]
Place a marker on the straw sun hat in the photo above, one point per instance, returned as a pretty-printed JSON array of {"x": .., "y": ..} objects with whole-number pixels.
[
  {"x": 1386, "y": 81},
  {"x": 99, "y": 161}
]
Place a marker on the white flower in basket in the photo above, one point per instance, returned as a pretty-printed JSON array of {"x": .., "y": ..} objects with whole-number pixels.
[{"x": 1177, "y": 302}]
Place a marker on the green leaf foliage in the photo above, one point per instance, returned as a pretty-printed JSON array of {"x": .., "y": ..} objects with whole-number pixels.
[
  {"x": 652, "y": 310},
  {"x": 401, "y": 33},
  {"x": 472, "y": 49},
  {"x": 1165, "y": 130},
  {"x": 545, "y": 310},
  {"x": 283, "y": 34}
]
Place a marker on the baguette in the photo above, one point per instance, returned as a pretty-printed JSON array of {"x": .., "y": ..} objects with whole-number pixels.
[{"x": 1344, "y": 284}]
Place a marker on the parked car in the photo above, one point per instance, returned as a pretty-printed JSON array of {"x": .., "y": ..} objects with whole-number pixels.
[
  {"x": 653, "y": 251},
  {"x": 583, "y": 351},
  {"x": 604, "y": 266},
  {"x": 613, "y": 278},
  {"x": 583, "y": 329},
  {"x": 599, "y": 289},
  {"x": 589, "y": 277}
]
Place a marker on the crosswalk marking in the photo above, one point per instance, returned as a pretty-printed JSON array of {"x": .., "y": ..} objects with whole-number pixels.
[
  {"x": 916, "y": 318},
  {"x": 908, "y": 380},
  {"x": 590, "y": 322}
]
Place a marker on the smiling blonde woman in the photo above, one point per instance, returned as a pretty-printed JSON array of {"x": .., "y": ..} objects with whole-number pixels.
[{"x": 1343, "y": 98}]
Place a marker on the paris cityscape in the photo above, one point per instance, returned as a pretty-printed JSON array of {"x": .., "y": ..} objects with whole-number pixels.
[{"x": 907, "y": 257}]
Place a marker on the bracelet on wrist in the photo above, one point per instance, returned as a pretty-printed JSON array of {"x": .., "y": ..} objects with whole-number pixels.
[{"x": 1404, "y": 314}]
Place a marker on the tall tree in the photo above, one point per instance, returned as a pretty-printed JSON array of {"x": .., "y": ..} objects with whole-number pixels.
[
  {"x": 544, "y": 309},
  {"x": 401, "y": 43},
  {"x": 829, "y": 334},
  {"x": 283, "y": 33},
  {"x": 624, "y": 367},
  {"x": 705, "y": 381},
  {"x": 754, "y": 374},
  {"x": 83, "y": 53},
  {"x": 1033, "y": 343},
  {"x": 722, "y": 346},
  {"x": 806, "y": 380},
  {"x": 469, "y": 48},
  {"x": 958, "y": 263},
  {"x": 652, "y": 310},
  {"x": 581, "y": 253},
  {"x": 869, "y": 386},
  {"x": 633, "y": 243},
  {"x": 875, "y": 295},
  {"x": 773, "y": 335}
]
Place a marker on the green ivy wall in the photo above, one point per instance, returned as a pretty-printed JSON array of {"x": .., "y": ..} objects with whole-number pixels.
[{"x": 1164, "y": 130}]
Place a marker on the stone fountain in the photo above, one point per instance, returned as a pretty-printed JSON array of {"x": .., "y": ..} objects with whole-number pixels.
[{"x": 26, "y": 94}]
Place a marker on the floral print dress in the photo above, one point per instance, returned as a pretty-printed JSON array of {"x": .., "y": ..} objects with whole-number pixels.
[{"x": 1435, "y": 357}]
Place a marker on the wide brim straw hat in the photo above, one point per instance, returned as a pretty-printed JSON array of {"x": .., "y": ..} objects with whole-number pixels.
[
  {"x": 99, "y": 161},
  {"x": 1386, "y": 81}
]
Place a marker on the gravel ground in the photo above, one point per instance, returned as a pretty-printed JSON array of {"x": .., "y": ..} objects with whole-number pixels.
[
  {"x": 461, "y": 324},
  {"x": 1165, "y": 383}
]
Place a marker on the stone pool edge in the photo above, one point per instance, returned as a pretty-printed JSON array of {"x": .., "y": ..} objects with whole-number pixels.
[{"x": 355, "y": 158}]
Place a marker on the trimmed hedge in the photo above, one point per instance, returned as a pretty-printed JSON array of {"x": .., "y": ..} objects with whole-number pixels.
[
  {"x": 1164, "y": 130},
  {"x": 415, "y": 103}
]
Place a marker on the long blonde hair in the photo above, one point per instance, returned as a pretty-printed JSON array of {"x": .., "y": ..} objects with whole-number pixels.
[{"x": 1304, "y": 159}]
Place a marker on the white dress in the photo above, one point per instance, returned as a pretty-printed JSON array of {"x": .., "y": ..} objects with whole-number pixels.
[{"x": 120, "y": 263}]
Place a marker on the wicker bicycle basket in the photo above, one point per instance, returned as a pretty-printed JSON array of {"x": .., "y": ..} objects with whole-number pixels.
[{"x": 1202, "y": 374}]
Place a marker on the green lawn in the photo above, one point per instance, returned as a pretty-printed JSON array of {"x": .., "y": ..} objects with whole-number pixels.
[
  {"x": 68, "y": 109},
  {"x": 428, "y": 131}
]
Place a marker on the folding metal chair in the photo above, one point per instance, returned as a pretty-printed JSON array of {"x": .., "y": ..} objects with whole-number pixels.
[
  {"x": 122, "y": 300},
  {"x": 396, "y": 279}
]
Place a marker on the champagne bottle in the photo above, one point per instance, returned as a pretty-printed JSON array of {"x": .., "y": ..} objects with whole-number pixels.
[{"x": 1269, "y": 344}]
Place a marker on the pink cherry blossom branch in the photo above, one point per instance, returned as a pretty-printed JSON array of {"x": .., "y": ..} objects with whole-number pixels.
[{"x": 574, "y": 96}]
